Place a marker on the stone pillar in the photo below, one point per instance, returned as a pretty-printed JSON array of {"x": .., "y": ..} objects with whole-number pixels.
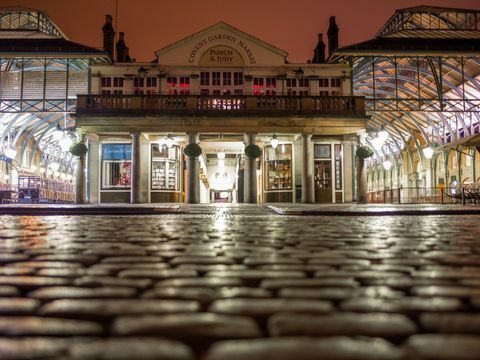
[
  {"x": 361, "y": 180},
  {"x": 193, "y": 174},
  {"x": 308, "y": 193},
  {"x": 349, "y": 171},
  {"x": 135, "y": 193},
  {"x": 250, "y": 173},
  {"x": 80, "y": 186},
  {"x": 93, "y": 168}
]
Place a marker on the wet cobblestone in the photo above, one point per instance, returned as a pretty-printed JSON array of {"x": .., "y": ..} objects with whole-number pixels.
[{"x": 240, "y": 283}]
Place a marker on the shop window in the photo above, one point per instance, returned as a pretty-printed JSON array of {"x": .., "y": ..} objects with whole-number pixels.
[
  {"x": 165, "y": 167},
  {"x": 116, "y": 166},
  {"x": 278, "y": 167}
]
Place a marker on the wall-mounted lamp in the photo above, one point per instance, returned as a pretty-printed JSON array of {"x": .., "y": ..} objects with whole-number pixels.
[{"x": 142, "y": 72}]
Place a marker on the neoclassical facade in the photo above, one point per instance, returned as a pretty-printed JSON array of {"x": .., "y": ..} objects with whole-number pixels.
[{"x": 222, "y": 89}]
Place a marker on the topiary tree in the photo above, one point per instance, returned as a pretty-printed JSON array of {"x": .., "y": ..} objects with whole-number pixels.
[
  {"x": 364, "y": 152},
  {"x": 78, "y": 149},
  {"x": 192, "y": 150},
  {"x": 253, "y": 151}
]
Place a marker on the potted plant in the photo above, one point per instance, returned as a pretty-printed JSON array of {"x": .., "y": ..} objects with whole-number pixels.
[
  {"x": 192, "y": 150},
  {"x": 253, "y": 151},
  {"x": 78, "y": 149}
]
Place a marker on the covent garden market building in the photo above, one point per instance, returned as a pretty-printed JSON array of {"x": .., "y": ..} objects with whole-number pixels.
[{"x": 222, "y": 116}]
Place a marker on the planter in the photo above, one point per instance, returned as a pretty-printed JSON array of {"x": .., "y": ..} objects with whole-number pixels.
[
  {"x": 78, "y": 149},
  {"x": 253, "y": 151}
]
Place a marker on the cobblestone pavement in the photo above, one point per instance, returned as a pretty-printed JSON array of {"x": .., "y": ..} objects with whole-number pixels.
[{"x": 240, "y": 283}]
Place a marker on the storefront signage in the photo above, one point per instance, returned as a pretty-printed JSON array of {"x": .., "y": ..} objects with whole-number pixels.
[
  {"x": 117, "y": 151},
  {"x": 5, "y": 158},
  {"x": 221, "y": 56},
  {"x": 238, "y": 43}
]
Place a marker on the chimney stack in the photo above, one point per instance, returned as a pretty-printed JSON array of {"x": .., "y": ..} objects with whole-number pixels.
[
  {"x": 121, "y": 47},
  {"x": 332, "y": 36},
  {"x": 319, "y": 51},
  {"x": 108, "y": 36}
]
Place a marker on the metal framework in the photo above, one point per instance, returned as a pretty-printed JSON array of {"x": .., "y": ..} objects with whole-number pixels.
[
  {"x": 420, "y": 76},
  {"x": 38, "y": 93}
]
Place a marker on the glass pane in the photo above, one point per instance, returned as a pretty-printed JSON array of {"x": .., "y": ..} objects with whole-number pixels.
[{"x": 278, "y": 167}]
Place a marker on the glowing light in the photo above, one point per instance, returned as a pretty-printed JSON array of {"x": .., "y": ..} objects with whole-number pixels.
[
  {"x": 377, "y": 144},
  {"x": 428, "y": 152},
  {"x": 169, "y": 141},
  {"x": 69, "y": 177},
  {"x": 33, "y": 168},
  {"x": 42, "y": 170},
  {"x": 56, "y": 173},
  {"x": 57, "y": 135},
  {"x": 387, "y": 165},
  {"x": 221, "y": 155},
  {"x": 54, "y": 166},
  {"x": 383, "y": 135},
  {"x": 63, "y": 176},
  {"x": 49, "y": 172},
  {"x": 274, "y": 141},
  {"x": 65, "y": 143},
  {"x": 5, "y": 177},
  {"x": 10, "y": 152}
]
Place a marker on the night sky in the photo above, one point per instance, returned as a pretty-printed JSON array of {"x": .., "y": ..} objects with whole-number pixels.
[{"x": 291, "y": 25}]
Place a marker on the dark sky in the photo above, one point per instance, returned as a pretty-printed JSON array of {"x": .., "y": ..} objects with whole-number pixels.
[{"x": 291, "y": 25}]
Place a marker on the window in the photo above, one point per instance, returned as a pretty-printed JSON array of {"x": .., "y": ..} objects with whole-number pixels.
[
  {"x": 323, "y": 83},
  {"x": 118, "y": 82},
  {"x": 106, "y": 81},
  {"x": 278, "y": 167},
  {"x": 165, "y": 167},
  {"x": 138, "y": 82},
  {"x": 151, "y": 81},
  {"x": 335, "y": 82},
  {"x": 271, "y": 82},
  {"x": 237, "y": 78},
  {"x": 172, "y": 81},
  {"x": 216, "y": 78},
  {"x": 257, "y": 82},
  {"x": 291, "y": 82},
  {"x": 205, "y": 78},
  {"x": 238, "y": 92},
  {"x": 116, "y": 166},
  {"x": 204, "y": 92},
  {"x": 227, "y": 78},
  {"x": 303, "y": 82}
]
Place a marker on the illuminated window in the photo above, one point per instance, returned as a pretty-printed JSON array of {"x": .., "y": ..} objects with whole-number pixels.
[{"x": 116, "y": 166}]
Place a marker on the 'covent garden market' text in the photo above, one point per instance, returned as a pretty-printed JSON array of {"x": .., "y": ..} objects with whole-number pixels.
[{"x": 196, "y": 49}]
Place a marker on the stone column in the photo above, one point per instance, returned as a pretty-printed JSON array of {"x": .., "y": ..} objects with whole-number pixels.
[
  {"x": 93, "y": 168},
  {"x": 308, "y": 194},
  {"x": 250, "y": 173},
  {"x": 80, "y": 180},
  {"x": 361, "y": 180},
  {"x": 193, "y": 174},
  {"x": 349, "y": 171},
  {"x": 135, "y": 193}
]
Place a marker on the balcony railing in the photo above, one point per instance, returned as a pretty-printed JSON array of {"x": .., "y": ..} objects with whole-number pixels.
[{"x": 211, "y": 105}]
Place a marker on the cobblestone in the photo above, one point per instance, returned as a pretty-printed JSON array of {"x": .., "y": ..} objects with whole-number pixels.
[{"x": 238, "y": 283}]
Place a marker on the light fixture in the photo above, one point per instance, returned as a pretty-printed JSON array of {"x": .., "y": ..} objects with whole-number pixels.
[
  {"x": 169, "y": 141},
  {"x": 274, "y": 141},
  {"x": 387, "y": 165},
  {"x": 377, "y": 143},
  {"x": 33, "y": 168},
  {"x": 65, "y": 143},
  {"x": 142, "y": 72},
  {"x": 69, "y": 177},
  {"x": 221, "y": 155},
  {"x": 54, "y": 166},
  {"x": 383, "y": 134},
  {"x": 10, "y": 152},
  {"x": 299, "y": 72},
  {"x": 428, "y": 152},
  {"x": 57, "y": 134}
]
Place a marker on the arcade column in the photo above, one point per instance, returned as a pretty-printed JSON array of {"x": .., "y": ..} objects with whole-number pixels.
[
  {"x": 250, "y": 173},
  {"x": 193, "y": 174}
]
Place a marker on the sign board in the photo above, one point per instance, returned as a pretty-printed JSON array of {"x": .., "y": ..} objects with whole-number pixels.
[
  {"x": 6, "y": 159},
  {"x": 221, "y": 56},
  {"x": 116, "y": 151}
]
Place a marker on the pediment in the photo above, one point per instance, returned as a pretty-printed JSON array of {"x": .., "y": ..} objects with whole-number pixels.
[{"x": 221, "y": 45}]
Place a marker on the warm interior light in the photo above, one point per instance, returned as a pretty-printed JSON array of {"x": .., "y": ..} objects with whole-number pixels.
[
  {"x": 69, "y": 177},
  {"x": 428, "y": 152},
  {"x": 377, "y": 143},
  {"x": 54, "y": 166},
  {"x": 33, "y": 168},
  {"x": 169, "y": 141},
  {"x": 387, "y": 165},
  {"x": 221, "y": 155},
  {"x": 274, "y": 141},
  {"x": 10, "y": 152}
]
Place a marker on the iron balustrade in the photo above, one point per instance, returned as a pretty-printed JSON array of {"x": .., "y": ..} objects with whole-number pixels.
[
  {"x": 424, "y": 195},
  {"x": 113, "y": 104}
]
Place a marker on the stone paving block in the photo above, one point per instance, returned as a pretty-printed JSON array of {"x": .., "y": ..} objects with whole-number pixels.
[
  {"x": 112, "y": 281},
  {"x": 443, "y": 347},
  {"x": 211, "y": 281},
  {"x": 133, "y": 259},
  {"x": 32, "y": 348},
  {"x": 273, "y": 284},
  {"x": 346, "y": 324},
  {"x": 16, "y": 305},
  {"x": 32, "y": 281},
  {"x": 157, "y": 274},
  {"x": 270, "y": 260},
  {"x": 131, "y": 348},
  {"x": 13, "y": 270},
  {"x": 189, "y": 327},
  {"x": 108, "y": 308},
  {"x": 402, "y": 305},
  {"x": 64, "y": 292},
  {"x": 48, "y": 264},
  {"x": 455, "y": 323},
  {"x": 453, "y": 291},
  {"x": 202, "y": 260},
  {"x": 75, "y": 258},
  {"x": 8, "y": 291},
  {"x": 335, "y": 348},
  {"x": 333, "y": 293},
  {"x": 33, "y": 325},
  {"x": 262, "y": 308}
]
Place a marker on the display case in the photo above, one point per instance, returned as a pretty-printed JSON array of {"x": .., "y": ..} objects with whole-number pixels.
[
  {"x": 278, "y": 173},
  {"x": 165, "y": 169}
]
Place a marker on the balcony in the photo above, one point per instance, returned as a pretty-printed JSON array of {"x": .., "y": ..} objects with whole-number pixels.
[{"x": 224, "y": 105}]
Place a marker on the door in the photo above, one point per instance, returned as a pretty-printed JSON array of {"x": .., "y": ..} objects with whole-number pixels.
[{"x": 323, "y": 181}]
